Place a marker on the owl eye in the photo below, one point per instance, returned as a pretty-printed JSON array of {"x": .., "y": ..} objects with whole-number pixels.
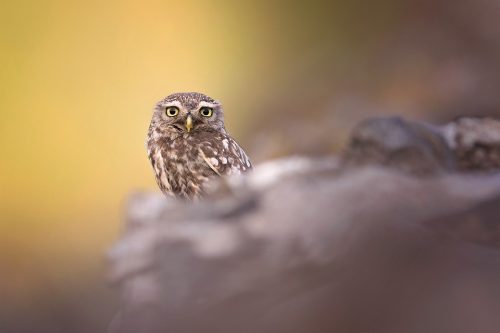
[
  {"x": 206, "y": 111},
  {"x": 172, "y": 111}
]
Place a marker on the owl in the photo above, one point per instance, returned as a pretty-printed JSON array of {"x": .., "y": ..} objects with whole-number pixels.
[{"x": 188, "y": 145}]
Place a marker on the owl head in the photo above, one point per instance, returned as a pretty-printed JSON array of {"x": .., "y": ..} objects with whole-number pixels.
[{"x": 187, "y": 113}]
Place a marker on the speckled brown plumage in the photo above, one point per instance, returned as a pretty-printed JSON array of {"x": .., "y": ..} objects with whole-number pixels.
[{"x": 185, "y": 156}]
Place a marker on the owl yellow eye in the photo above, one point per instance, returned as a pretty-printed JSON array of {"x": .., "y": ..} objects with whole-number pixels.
[
  {"x": 206, "y": 111},
  {"x": 172, "y": 111}
]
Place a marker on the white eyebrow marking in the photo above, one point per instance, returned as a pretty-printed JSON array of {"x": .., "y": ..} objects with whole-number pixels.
[
  {"x": 210, "y": 105},
  {"x": 172, "y": 103}
]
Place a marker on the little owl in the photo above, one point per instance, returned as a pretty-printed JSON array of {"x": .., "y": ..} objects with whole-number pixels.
[{"x": 188, "y": 144}]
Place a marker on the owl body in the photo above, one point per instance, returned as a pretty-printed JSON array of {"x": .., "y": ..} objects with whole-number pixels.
[{"x": 188, "y": 145}]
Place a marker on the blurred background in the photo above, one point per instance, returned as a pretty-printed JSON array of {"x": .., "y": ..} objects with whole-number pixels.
[{"x": 79, "y": 80}]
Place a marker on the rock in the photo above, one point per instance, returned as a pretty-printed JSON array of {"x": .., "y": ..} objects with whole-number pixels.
[
  {"x": 475, "y": 142},
  {"x": 392, "y": 236},
  {"x": 394, "y": 142}
]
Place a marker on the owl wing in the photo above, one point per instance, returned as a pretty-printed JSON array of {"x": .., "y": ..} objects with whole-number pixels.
[{"x": 224, "y": 156}]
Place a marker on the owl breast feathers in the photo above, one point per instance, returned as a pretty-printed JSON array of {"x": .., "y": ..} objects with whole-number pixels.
[{"x": 188, "y": 145}]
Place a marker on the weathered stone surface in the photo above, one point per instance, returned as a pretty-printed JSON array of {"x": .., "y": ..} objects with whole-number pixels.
[
  {"x": 394, "y": 142},
  {"x": 475, "y": 142},
  {"x": 357, "y": 243}
]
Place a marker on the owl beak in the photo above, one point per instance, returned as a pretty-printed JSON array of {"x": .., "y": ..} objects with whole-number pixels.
[{"x": 189, "y": 123}]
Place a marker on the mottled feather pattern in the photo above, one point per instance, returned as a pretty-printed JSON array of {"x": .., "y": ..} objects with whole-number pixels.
[{"x": 183, "y": 160}]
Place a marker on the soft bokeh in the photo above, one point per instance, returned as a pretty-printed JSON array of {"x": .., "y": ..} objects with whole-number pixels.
[{"x": 79, "y": 78}]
